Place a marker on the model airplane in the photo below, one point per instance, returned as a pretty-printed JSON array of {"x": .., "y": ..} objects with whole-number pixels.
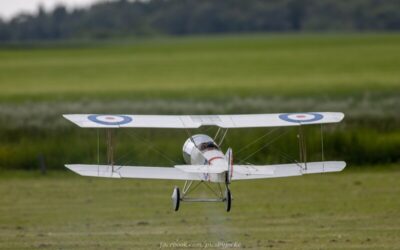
[{"x": 206, "y": 163}]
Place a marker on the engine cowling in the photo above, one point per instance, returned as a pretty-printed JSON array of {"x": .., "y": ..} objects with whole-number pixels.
[{"x": 189, "y": 148}]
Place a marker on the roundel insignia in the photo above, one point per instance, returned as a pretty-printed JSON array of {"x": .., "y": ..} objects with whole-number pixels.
[
  {"x": 301, "y": 117},
  {"x": 110, "y": 119}
]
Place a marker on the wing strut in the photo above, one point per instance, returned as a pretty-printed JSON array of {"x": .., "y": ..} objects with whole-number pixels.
[
  {"x": 302, "y": 147},
  {"x": 110, "y": 147},
  {"x": 322, "y": 148},
  {"x": 216, "y": 135},
  {"x": 222, "y": 136},
  {"x": 98, "y": 147}
]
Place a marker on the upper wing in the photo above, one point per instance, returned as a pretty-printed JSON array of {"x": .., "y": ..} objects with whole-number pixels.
[
  {"x": 133, "y": 172},
  {"x": 247, "y": 172},
  {"x": 196, "y": 121}
]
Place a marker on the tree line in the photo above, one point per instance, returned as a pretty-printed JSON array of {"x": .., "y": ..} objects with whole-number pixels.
[{"x": 125, "y": 18}]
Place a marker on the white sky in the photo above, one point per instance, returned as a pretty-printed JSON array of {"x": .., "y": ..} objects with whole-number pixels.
[{"x": 9, "y": 8}]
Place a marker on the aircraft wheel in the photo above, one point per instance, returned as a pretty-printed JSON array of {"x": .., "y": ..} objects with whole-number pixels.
[
  {"x": 228, "y": 200},
  {"x": 176, "y": 198}
]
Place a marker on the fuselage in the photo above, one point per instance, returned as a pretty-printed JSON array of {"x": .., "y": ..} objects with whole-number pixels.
[{"x": 202, "y": 150}]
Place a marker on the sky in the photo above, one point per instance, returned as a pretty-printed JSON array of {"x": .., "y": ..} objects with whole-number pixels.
[{"x": 9, "y": 8}]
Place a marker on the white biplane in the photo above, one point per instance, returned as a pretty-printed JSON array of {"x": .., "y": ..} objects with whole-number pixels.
[{"x": 205, "y": 161}]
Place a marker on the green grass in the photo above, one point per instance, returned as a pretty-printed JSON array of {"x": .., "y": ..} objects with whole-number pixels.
[
  {"x": 261, "y": 65},
  {"x": 354, "y": 209},
  {"x": 352, "y": 73}
]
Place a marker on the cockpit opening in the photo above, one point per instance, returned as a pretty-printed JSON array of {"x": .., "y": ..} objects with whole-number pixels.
[{"x": 208, "y": 146}]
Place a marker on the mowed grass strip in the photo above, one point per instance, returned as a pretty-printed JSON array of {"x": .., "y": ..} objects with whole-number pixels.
[
  {"x": 206, "y": 67},
  {"x": 352, "y": 209}
]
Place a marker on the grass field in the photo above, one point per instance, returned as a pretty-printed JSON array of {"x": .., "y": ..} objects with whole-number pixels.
[
  {"x": 355, "y": 209},
  {"x": 262, "y": 65},
  {"x": 352, "y": 73}
]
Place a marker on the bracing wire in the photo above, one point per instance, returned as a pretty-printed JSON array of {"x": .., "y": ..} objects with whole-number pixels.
[
  {"x": 211, "y": 189},
  {"x": 257, "y": 140},
  {"x": 128, "y": 154},
  {"x": 266, "y": 145},
  {"x": 286, "y": 156},
  {"x": 152, "y": 147},
  {"x": 237, "y": 155}
]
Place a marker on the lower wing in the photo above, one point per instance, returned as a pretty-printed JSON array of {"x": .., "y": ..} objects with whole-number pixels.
[
  {"x": 248, "y": 172},
  {"x": 198, "y": 172},
  {"x": 133, "y": 172}
]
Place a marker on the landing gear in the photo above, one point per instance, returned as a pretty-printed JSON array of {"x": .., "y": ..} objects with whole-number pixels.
[
  {"x": 220, "y": 195},
  {"x": 228, "y": 200},
  {"x": 176, "y": 199}
]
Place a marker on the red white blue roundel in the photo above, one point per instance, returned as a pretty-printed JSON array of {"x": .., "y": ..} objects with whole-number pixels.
[
  {"x": 301, "y": 117},
  {"x": 110, "y": 119}
]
